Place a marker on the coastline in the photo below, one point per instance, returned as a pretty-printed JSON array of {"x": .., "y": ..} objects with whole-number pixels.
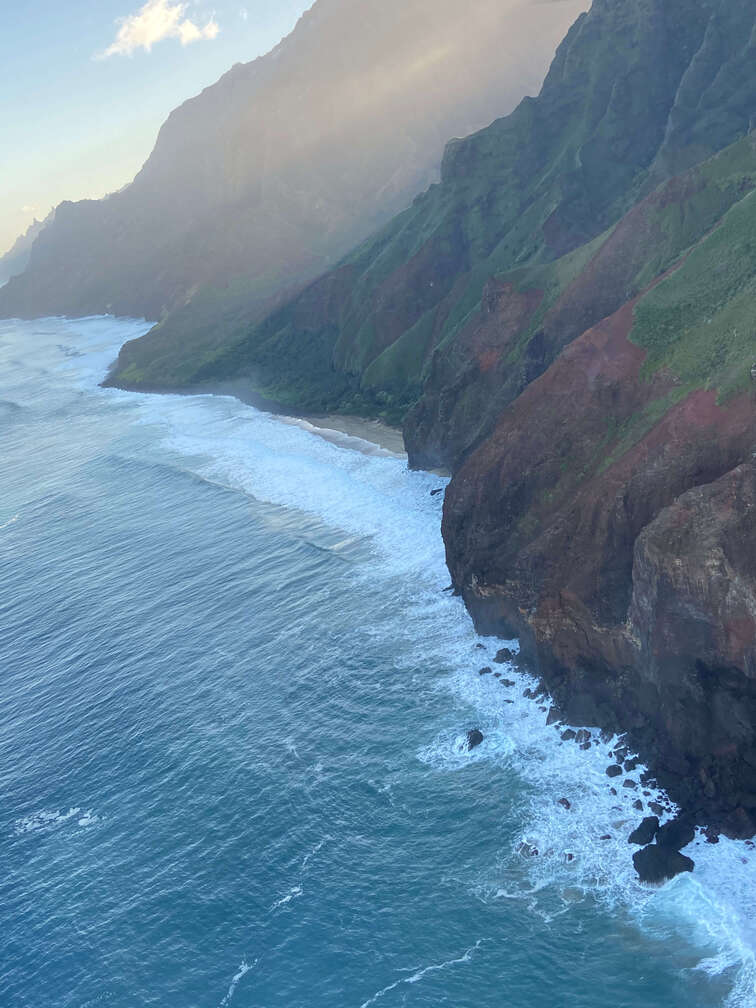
[
  {"x": 342, "y": 429},
  {"x": 577, "y": 703},
  {"x": 417, "y": 663},
  {"x": 334, "y": 427}
]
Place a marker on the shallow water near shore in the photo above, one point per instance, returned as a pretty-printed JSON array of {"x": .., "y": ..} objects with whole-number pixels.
[{"x": 232, "y": 736}]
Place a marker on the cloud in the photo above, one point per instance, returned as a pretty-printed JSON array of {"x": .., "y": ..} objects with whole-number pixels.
[
  {"x": 155, "y": 21},
  {"x": 28, "y": 209}
]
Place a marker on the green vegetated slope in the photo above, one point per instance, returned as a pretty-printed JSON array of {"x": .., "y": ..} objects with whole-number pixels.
[
  {"x": 526, "y": 316},
  {"x": 700, "y": 322},
  {"x": 533, "y": 200}
]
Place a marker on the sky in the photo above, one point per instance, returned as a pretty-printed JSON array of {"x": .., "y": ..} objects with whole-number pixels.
[{"x": 86, "y": 84}]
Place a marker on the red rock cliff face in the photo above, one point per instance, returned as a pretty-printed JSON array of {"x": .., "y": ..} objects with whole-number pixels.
[{"x": 609, "y": 522}]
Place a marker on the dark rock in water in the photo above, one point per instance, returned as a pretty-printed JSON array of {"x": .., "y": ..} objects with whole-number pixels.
[
  {"x": 644, "y": 833},
  {"x": 630, "y": 783},
  {"x": 479, "y": 646},
  {"x": 711, "y": 835},
  {"x": 613, "y": 790},
  {"x": 449, "y": 588},
  {"x": 676, "y": 834},
  {"x": 565, "y": 803},
  {"x": 553, "y": 716},
  {"x": 507, "y": 682},
  {"x": 529, "y": 694},
  {"x": 648, "y": 778},
  {"x": 638, "y": 804},
  {"x": 568, "y": 735},
  {"x": 570, "y": 856},
  {"x": 631, "y": 764},
  {"x": 606, "y": 836},
  {"x": 503, "y": 655},
  {"x": 497, "y": 675},
  {"x": 474, "y": 738},
  {"x": 583, "y": 735},
  {"x": 585, "y": 745},
  {"x": 614, "y": 770},
  {"x": 508, "y": 701},
  {"x": 657, "y": 863},
  {"x": 438, "y": 490},
  {"x": 486, "y": 670},
  {"x": 527, "y": 850},
  {"x": 656, "y": 807},
  {"x": 620, "y": 753}
]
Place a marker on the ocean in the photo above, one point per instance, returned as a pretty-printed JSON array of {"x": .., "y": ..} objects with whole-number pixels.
[{"x": 233, "y": 718}]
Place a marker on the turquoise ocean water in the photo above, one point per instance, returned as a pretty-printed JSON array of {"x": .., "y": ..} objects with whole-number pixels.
[{"x": 233, "y": 705}]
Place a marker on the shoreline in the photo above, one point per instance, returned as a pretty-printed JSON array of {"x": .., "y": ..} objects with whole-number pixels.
[
  {"x": 454, "y": 699},
  {"x": 371, "y": 429},
  {"x": 337, "y": 428},
  {"x": 357, "y": 434}
]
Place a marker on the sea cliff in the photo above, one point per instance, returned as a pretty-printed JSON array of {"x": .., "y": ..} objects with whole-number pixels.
[{"x": 565, "y": 321}]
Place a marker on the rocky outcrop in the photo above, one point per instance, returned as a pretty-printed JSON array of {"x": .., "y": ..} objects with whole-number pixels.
[
  {"x": 656, "y": 864},
  {"x": 474, "y": 738},
  {"x": 661, "y": 860},
  {"x": 645, "y": 832}
]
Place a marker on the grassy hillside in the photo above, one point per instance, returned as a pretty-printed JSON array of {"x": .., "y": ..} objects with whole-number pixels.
[
  {"x": 700, "y": 322},
  {"x": 452, "y": 371}
]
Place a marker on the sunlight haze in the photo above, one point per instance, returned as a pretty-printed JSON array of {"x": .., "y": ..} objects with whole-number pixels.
[{"x": 87, "y": 87}]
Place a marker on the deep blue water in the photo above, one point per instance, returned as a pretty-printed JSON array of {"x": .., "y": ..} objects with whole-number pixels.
[{"x": 232, "y": 771}]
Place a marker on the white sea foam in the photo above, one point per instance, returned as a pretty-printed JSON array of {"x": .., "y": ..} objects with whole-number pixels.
[
  {"x": 294, "y": 893},
  {"x": 374, "y": 498},
  {"x": 315, "y": 850},
  {"x": 244, "y": 968},
  {"x": 48, "y": 820},
  {"x": 10, "y": 521},
  {"x": 341, "y": 439},
  {"x": 583, "y": 850},
  {"x": 418, "y": 972},
  {"x": 450, "y": 750},
  {"x": 88, "y": 819}
]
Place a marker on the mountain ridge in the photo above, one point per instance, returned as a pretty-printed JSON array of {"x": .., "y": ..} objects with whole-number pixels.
[
  {"x": 509, "y": 197},
  {"x": 265, "y": 178}
]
